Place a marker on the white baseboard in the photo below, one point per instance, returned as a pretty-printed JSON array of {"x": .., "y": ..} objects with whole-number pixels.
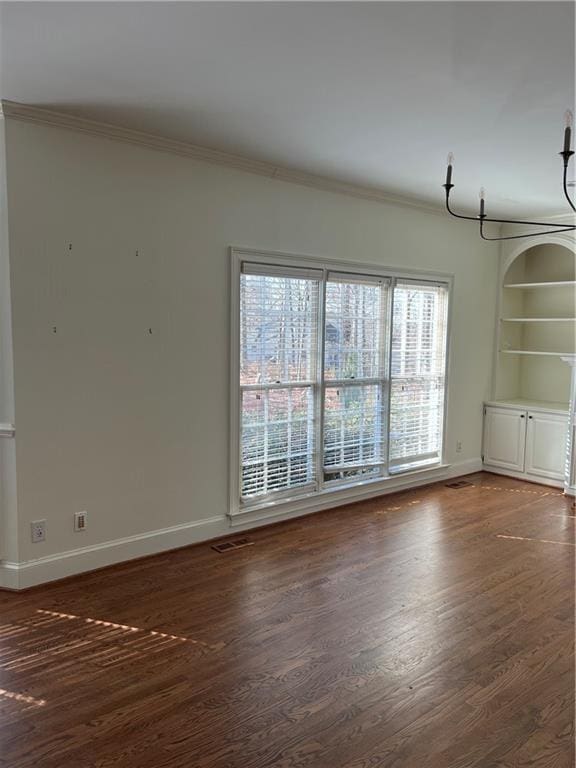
[
  {"x": 337, "y": 498},
  {"x": 524, "y": 476},
  {"x": 467, "y": 467},
  {"x": 31, "y": 573}
]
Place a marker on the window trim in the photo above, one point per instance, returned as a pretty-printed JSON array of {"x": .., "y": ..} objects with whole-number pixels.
[{"x": 287, "y": 503}]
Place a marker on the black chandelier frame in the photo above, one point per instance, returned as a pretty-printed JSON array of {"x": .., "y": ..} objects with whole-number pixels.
[{"x": 482, "y": 218}]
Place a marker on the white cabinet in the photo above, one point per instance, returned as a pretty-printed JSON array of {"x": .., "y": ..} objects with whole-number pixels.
[
  {"x": 525, "y": 443},
  {"x": 546, "y": 443},
  {"x": 504, "y": 438}
]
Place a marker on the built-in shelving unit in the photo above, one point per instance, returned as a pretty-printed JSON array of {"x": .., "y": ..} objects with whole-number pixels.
[
  {"x": 527, "y": 421},
  {"x": 537, "y": 326}
]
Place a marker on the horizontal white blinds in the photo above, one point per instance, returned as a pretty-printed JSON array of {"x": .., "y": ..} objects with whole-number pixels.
[
  {"x": 354, "y": 328},
  {"x": 353, "y": 431},
  {"x": 279, "y": 270},
  {"x": 342, "y": 377},
  {"x": 353, "y": 278},
  {"x": 278, "y": 440},
  {"x": 278, "y": 367},
  {"x": 418, "y": 363},
  {"x": 278, "y": 329},
  {"x": 354, "y": 392}
]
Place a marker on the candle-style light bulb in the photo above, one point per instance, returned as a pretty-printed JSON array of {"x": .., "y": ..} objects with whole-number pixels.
[
  {"x": 450, "y": 161},
  {"x": 482, "y": 200},
  {"x": 567, "y": 130}
]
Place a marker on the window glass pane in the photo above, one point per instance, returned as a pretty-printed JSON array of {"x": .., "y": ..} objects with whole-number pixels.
[
  {"x": 353, "y": 430},
  {"x": 353, "y": 330},
  {"x": 418, "y": 374},
  {"x": 278, "y": 320},
  {"x": 416, "y": 413},
  {"x": 277, "y": 440}
]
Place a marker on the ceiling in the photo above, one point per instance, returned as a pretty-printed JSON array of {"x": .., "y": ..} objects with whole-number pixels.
[{"x": 370, "y": 93}]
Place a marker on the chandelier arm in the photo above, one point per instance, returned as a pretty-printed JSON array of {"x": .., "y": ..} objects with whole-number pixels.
[
  {"x": 451, "y": 212},
  {"x": 530, "y": 223},
  {"x": 568, "y": 228},
  {"x": 547, "y": 228},
  {"x": 565, "y": 185},
  {"x": 560, "y": 227}
]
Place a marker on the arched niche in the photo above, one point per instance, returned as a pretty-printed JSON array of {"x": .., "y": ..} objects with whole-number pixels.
[{"x": 537, "y": 321}]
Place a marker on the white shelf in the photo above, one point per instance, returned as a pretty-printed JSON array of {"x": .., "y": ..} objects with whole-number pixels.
[
  {"x": 557, "y": 284},
  {"x": 536, "y": 405},
  {"x": 538, "y": 319},
  {"x": 534, "y": 352}
]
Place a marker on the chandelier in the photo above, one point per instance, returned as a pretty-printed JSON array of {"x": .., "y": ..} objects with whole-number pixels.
[{"x": 482, "y": 217}]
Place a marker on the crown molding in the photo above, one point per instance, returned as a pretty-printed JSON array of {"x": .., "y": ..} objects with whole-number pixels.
[
  {"x": 30, "y": 114},
  {"x": 39, "y": 115}
]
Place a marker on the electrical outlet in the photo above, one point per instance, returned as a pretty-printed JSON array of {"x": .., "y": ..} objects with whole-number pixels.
[
  {"x": 80, "y": 521},
  {"x": 38, "y": 531},
  {"x": 458, "y": 446}
]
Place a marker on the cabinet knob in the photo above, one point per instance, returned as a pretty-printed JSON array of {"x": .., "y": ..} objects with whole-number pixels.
[
  {"x": 521, "y": 415},
  {"x": 529, "y": 417}
]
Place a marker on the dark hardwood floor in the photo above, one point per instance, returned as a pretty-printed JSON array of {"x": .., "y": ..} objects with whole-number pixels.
[{"x": 429, "y": 629}]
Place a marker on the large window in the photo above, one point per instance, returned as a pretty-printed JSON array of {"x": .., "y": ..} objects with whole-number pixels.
[{"x": 341, "y": 376}]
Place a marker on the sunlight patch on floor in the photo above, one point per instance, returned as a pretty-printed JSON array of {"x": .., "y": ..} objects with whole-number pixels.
[
  {"x": 22, "y": 698},
  {"x": 113, "y": 625},
  {"x": 541, "y": 541},
  {"x": 519, "y": 490}
]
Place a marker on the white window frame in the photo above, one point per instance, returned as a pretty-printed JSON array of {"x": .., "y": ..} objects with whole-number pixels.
[{"x": 331, "y": 492}]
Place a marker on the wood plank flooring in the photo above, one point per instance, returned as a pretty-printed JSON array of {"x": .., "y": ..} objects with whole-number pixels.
[{"x": 429, "y": 629}]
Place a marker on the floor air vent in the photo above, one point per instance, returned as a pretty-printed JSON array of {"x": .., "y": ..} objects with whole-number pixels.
[
  {"x": 229, "y": 546},
  {"x": 459, "y": 484}
]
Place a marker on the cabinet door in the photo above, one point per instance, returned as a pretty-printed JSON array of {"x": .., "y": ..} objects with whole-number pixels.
[
  {"x": 546, "y": 440},
  {"x": 504, "y": 438}
]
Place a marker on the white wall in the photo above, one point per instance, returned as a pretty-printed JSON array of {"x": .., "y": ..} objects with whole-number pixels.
[
  {"x": 133, "y": 426},
  {"x": 8, "y": 505}
]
